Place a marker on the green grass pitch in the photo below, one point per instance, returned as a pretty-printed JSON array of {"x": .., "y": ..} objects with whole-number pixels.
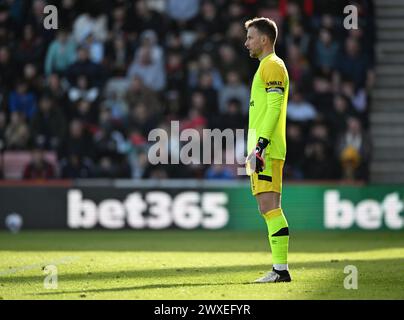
[{"x": 198, "y": 265}]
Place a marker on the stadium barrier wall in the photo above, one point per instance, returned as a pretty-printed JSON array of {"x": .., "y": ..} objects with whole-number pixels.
[{"x": 189, "y": 204}]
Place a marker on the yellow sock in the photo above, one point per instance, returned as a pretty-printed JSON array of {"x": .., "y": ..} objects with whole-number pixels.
[{"x": 278, "y": 234}]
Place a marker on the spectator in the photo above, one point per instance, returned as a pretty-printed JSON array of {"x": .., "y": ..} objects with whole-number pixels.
[
  {"x": 79, "y": 140},
  {"x": 337, "y": 118},
  {"x": 30, "y": 48},
  {"x": 149, "y": 39},
  {"x": 3, "y": 127},
  {"x": 39, "y": 168},
  {"x": 17, "y": 132},
  {"x": 297, "y": 65},
  {"x": 175, "y": 43},
  {"x": 357, "y": 97},
  {"x": 319, "y": 162},
  {"x": 117, "y": 56},
  {"x": 6, "y": 18},
  {"x": 61, "y": 54},
  {"x": 194, "y": 120},
  {"x": 76, "y": 167},
  {"x": 144, "y": 18},
  {"x": 230, "y": 62},
  {"x": 117, "y": 107},
  {"x": 234, "y": 89},
  {"x": 32, "y": 79},
  {"x": 138, "y": 92},
  {"x": 90, "y": 22},
  {"x": 219, "y": 172},
  {"x": 22, "y": 100},
  {"x": 142, "y": 119},
  {"x": 235, "y": 36},
  {"x": 48, "y": 125},
  {"x": 156, "y": 172},
  {"x": 365, "y": 33},
  {"x": 353, "y": 64},
  {"x": 86, "y": 112},
  {"x": 85, "y": 67},
  {"x": 300, "y": 110},
  {"x": 236, "y": 11},
  {"x": 294, "y": 16},
  {"x": 7, "y": 68},
  {"x": 205, "y": 65},
  {"x": 95, "y": 48},
  {"x": 35, "y": 18},
  {"x": 109, "y": 142},
  {"x": 322, "y": 94},
  {"x": 55, "y": 90},
  {"x": 82, "y": 91},
  {"x": 209, "y": 20},
  {"x": 326, "y": 50},
  {"x": 296, "y": 145},
  {"x": 318, "y": 165},
  {"x": 353, "y": 150},
  {"x": 176, "y": 75},
  {"x": 197, "y": 103},
  {"x": 205, "y": 87},
  {"x": 299, "y": 37},
  {"x": 231, "y": 118},
  {"x": 117, "y": 23},
  {"x": 175, "y": 105},
  {"x": 150, "y": 71},
  {"x": 67, "y": 12},
  {"x": 107, "y": 168},
  {"x": 139, "y": 163},
  {"x": 182, "y": 10}
]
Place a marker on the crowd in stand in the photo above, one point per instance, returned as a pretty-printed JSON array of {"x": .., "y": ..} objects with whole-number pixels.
[{"x": 92, "y": 90}]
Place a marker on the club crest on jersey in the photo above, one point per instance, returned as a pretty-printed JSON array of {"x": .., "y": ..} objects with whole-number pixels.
[{"x": 252, "y": 103}]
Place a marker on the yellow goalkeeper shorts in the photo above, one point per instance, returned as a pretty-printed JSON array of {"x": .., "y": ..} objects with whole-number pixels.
[{"x": 270, "y": 179}]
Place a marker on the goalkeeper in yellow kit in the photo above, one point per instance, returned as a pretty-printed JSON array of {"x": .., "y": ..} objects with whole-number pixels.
[{"x": 266, "y": 140}]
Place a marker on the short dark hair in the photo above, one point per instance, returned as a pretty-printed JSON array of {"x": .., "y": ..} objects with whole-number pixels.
[{"x": 265, "y": 26}]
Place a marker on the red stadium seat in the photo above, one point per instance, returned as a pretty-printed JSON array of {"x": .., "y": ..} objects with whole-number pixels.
[{"x": 14, "y": 162}]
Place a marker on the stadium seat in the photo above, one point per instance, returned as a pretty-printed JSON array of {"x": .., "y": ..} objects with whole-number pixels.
[{"x": 15, "y": 161}]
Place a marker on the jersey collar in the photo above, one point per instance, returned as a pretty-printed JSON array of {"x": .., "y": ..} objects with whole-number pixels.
[{"x": 268, "y": 56}]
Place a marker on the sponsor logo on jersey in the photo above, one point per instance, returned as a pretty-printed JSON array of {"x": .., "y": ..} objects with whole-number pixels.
[{"x": 274, "y": 83}]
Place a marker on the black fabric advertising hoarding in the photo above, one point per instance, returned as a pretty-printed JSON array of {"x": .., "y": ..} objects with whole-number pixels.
[
  {"x": 39, "y": 207},
  {"x": 112, "y": 208}
]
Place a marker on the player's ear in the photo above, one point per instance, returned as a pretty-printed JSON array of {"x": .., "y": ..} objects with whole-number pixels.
[{"x": 265, "y": 39}]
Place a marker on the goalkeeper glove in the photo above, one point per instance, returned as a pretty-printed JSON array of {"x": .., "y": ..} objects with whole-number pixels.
[{"x": 256, "y": 157}]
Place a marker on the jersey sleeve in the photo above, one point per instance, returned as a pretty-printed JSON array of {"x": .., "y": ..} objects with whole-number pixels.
[{"x": 273, "y": 75}]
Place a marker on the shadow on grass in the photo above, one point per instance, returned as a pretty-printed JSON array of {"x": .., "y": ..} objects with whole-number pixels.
[
  {"x": 143, "y": 274},
  {"x": 142, "y": 287},
  {"x": 327, "y": 275},
  {"x": 213, "y": 272}
]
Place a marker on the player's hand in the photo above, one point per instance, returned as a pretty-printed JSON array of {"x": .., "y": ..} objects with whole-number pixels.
[{"x": 256, "y": 162}]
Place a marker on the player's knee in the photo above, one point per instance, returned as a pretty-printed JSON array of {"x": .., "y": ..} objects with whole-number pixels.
[
  {"x": 264, "y": 208},
  {"x": 269, "y": 201}
]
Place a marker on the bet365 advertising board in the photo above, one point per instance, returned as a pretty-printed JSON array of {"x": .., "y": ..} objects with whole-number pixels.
[{"x": 201, "y": 206}]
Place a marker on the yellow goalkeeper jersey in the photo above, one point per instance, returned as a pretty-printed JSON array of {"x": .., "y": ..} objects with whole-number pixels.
[{"x": 268, "y": 106}]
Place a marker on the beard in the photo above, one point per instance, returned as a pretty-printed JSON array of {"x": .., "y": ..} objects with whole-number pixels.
[{"x": 255, "y": 53}]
